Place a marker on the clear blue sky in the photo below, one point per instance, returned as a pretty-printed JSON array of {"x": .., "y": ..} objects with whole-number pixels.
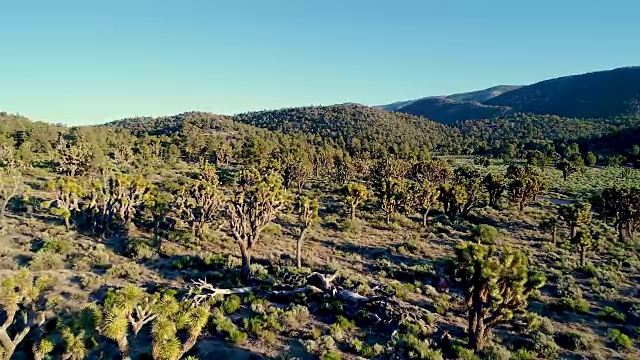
[{"x": 81, "y": 62}]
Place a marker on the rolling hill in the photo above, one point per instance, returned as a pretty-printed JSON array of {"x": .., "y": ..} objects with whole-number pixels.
[
  {"x": 602, "y": 94},
  {"x": 447, "y": 111},
  {"x": 474, "y": 96}
]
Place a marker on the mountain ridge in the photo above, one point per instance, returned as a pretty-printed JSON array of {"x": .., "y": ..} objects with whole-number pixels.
[{"x": 599, "y": 94}]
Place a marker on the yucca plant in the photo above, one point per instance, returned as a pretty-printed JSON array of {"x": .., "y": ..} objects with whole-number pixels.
[
  {"x": 21, "y": 294},
  {"x": 41, "y": 349}
]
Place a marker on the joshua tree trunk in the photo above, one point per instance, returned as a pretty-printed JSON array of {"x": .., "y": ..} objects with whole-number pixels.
[
  {"x": 123, "y": 345},
  {"x": 299, "y": 248},
  {"x": 157, "y": 241},
  {"x": 424, "y": 218},
  {"x": 477, "y": 338},
  {"x": 246, "y": 262},
  {"x": 353, "y": 212},
  {"x": 521, "y": 205},
  {"x": 3, "y": 209},
  {"x": 583, "y": 251},
  {"x": 553, "y": 236},
  {"x": 572, "y": 230}
]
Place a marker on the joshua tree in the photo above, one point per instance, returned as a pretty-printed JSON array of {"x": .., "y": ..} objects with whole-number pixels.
[
  {"x": 75, "y": 348},
  {"x": 41, "y": 349},
  {"x": 471, "y": 180},
  {"x": 496, "y": 286},
  {"x": 551, "y": 224},
  {"x": 79, "y": 332},
  {"x": 495, "y": 185},
  {"x": 525, "y": 183},
  {"x": 22, "y": 309},
  {"x": 453, "y": 198},
  {"x": 622, "y": 204},
  {"x": 423, "y": 196},
  {"x": 127, "y": 310},
  {"x": 166, "y": 331},
  {"x": 10, "y": 181},
  {"x": 257, "y": 201},
  {"x": 575, "y": 216},
  {"x": 296, "y": 165},
  {"x": 206, "y": 200},
  {"x": 307, "y": 209},
  {"x": 584, "y": 241},
  {"x": 570, "y": 165},
  {"x": 391, "y": 193},
  {"x": 436, "y": 171},
  {"x": 75, "y": 156},
  {"x": 354, "y": 195},
  {"x": 159, "y": 205},
  {"x": 68, "y": 192},
  {"x": 123, "y": 195}
]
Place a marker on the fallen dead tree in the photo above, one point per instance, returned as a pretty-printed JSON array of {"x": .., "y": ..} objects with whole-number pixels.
[{"x": 316, "y": 283}]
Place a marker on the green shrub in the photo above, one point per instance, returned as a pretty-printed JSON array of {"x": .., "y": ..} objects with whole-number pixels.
[
  {"x": 186, "y": 262},
  {"x": 351, "y": 226},
  {"x": 568, "y": 288},
  {"x": 296, "y": 317},
  {"x": 498, "y": 352},
  {"x": 415, "y": 348},
  {"x": 588, "y": 269},
  {"x": 523, "y": 354},
  {"x": 576, "y": 341},
  {"x": 331, "y": 355},
  {"x": 45, "y": 260},
  {"x": 442, "y": 303},
  {"x": 611, "y": 314},
  {"x": 259, "y": 271},
  {"x": 57, "y": 245},
  {"x": 582, "y": 306},
  {"x": 91, "y": 282},
  {"x": 485, "y": 234},
  {"x": 81, "y": 265},
  {"x": 463, "y": 353},
  {"x": 128, "y": 271},
  {"x": 621, "y": 341},
  {"x": 545, "y": 346},
  {"x": 237, "y": 337},
  {"x": 139, "y": 249},
  {"x": 365, "y": 350},
  {"x": 231, "y": 304}
]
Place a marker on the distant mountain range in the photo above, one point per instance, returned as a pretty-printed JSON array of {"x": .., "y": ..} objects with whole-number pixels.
[
  {"x": 474, "y": 96},
  {"x": 602, "y": 94}
]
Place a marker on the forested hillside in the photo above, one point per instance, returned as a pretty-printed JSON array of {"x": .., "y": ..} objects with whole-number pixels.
[{"x": 357, "y": 127}]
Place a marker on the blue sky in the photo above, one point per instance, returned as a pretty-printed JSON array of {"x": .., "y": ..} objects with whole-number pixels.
[{"x": 82, "y": 62}]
